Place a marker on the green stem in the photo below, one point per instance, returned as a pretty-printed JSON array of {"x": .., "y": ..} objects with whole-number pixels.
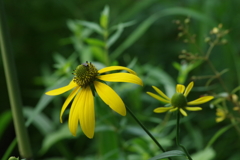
[
  {"x": 177, "y": 136},
  {"x": 13, "y": 89},
  {"x": 144, "y": 128},
  {"x": 106, "y": 56}
]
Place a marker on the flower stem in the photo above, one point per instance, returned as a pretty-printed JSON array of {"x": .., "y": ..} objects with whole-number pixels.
[
  {"x": 177, "y": 136},
  {"x": 13, "y": 89},
  {"x": 144, "y": 128}
]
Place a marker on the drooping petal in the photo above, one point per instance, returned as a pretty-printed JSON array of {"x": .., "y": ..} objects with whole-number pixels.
[
  {"x": 110, "y": 97},
  {"x": 193, "y": 108},
  {"x": 219, "y": 119},
  {"x": 68, "y": 100},
  {"x": 220, "y": 112},
  {"x": 180, "y": 88},
  {"x": 161, "y": 93},
  {"x": 201, "y": 100},
  {"x": 162, "y": 109},
  {"x": 86, "y": 113},
  {"x": 74, "y": 113},
  {"x": 158, "y": 97},
  {"x": 188, "y": 89},
  {"x": 121, "y": 77},
  {"x": 114, "y": 68},
  {"x": 61, "y": 90},
  {"x": 183, "y": 112},
  {"x": 174, "y": 109}
]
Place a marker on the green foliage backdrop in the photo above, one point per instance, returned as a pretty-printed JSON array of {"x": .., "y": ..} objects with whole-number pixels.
[{"x": 50, "y": 38}]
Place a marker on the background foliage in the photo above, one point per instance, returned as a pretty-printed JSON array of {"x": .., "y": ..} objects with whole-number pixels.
[{"x": 49, "y": 41}]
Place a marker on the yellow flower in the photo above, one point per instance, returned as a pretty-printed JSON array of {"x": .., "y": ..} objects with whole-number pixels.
[
  {"x": 178, "y": 100},
  {"x": 86, "y": 81},
  {"x": 221, "y": 115}
]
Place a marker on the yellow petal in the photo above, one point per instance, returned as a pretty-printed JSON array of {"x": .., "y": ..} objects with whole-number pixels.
[
  {"x": 183, "y": 112},
  {"x": 174, "y": 109},
  {"x": 193, "y": 108},
  {"x": 235, "y": 108},
  {"x": 220, "y": 112},
  {"x": 68, "y": 100},
  {"x": 110, "y": 97},
  {"x": 201, "y": 100},
  {"x": 121, "y": 77},
  {"x": 158, "y": 97},
  {"x": 180, "y": 88},
  {"x": 219, "y": 119},
  {"x": 188, "y": 89},
  {"x": 61, "y": 90},
  {"x": 162, "y": 109},
  {"x": 114, "y": 68},
  {"x": 74, "y": 113},
  {"x": 86, "y": 113},
  {"x": 161, "y": 93}
]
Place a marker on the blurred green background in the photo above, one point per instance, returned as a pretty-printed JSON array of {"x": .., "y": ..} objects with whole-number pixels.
[{"x": 47, "y": 44}]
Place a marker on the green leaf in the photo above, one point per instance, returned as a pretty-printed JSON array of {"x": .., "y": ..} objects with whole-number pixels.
[
  {"x": 91, "y": 25},
  {"x": 134, "y": 36},
  {"x": 136, "y": 9},
  {"x": 115, "y": 36},
  {"x": 184, "y": 70},
  {"x": 124, "y": 25},
  {"x": 104, "y": 17},
  {"x": 158, "y": 76},
  {"x": 13, "y": 158},
  {"x": 45, "y": 100},
  {"x": 173, "y": 153},
  {"x": 98, "y": 53},
  {"x": 141, "y": 29},
  {"x": 206, "y": 154},
  {"x": 218, "y": 134},
  {"x": 40, "y": 121},
  {"x": 95, "y": 42},
  {"x": 5, "y": 119},
  {"x": 10, "y": 149},
  {"x": 54, "y": 137},
  {"x": 72, "y": 25}
]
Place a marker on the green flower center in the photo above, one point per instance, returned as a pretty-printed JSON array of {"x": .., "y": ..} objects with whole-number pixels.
[
  {"x": 179, "y": 100},
  {"x": 85, "y": 74}
]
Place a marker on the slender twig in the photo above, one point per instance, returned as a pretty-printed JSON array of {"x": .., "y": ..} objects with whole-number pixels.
[
  {"x": 13, "y": 89},
  {"x": 10, "y": 148},
  {"x": 144, "y": 128},
  {"x": 177, "y": 136}
]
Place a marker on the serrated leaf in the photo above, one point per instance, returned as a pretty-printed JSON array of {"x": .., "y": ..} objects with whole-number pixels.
[{"x": 173, "y": 153}]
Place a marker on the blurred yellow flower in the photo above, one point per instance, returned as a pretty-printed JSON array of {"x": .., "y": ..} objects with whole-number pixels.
[
  {"x": 221, "y": 115},
  {"x": 178, "y": 100},
  {"x": 86, "y": 81}
]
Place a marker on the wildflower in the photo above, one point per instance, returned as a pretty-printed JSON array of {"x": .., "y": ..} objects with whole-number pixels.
[
  {"x": 221, "y": 115},
  {"x": 178, "y": 100},
  {"x": 86, "y": 81}
]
